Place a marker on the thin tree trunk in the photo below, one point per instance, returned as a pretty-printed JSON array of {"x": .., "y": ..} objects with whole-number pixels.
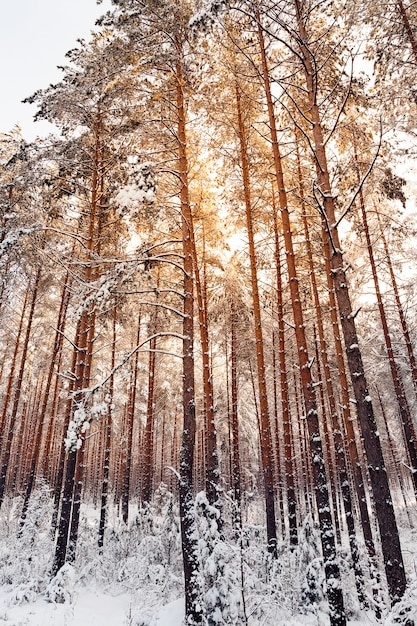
[
  {"x": 335, "y": 596},
  {"x": 348, "y": 419},
  {"x": 107, "y": 440},
  {"x": 211, "y": 461},
  {"x": 394, "y": 457},
  {"x": 404, "y": 325},
  {"x": 277, "y": 438},
  {"x": 193, "y": 608},
  {"x": 18, "y": 390},
  {"x": 42, "y": 418},
  {"x": 127, "y": 466},
  {"x": 68, "y": 411},
  {"x": 148, "y": 445},
  {"x": 236, "y": 476},
  {"x": 329, "y": 445},
  {"x": 10, "y": 380},
  {"x": 285, "y": 404},
  {"x": 405, "y": 413},
  {"x": 328, "y": 384},
  {"x": 265, "y": 428},
  {"x": 82, "y": 349},
  {"x": 394, "y": 566}
]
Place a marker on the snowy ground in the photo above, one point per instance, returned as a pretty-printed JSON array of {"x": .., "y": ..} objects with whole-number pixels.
[
  {"x": 86, "y": 609},
  {"x": 137, "y": 579},
  {"x": 97, "y": 609}
]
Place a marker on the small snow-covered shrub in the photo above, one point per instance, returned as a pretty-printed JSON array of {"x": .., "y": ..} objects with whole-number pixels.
[
  {"x": 168, "y": 527},
  {"x": 404, "y": 612},
  {"x": 24, "y": 593},
  {"x": 219, "y": 566},
  {"x": 61, "y": 587},
  {"x": 144, "y": 522},
  {"x": 25, "y": 552},
  {"x": 311, "y": 569}
]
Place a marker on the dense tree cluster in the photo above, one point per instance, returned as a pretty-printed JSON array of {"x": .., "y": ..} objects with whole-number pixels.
[{"x": 200, "y": 287}]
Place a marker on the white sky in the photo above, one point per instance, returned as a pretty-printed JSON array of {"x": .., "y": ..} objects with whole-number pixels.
[{"x": 35, "y": 36}]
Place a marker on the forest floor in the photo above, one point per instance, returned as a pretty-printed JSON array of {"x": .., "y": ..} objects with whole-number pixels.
[{"x": 137, "y": 579}]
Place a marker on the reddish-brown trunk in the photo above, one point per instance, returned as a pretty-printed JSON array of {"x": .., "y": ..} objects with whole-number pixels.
[
  {"x": 332, "y": 572},
  {"x": 193, "y": 609},
  {"x": 391, "y": 548},
  {"x": 10, "y": 380},
  {"x": 403, "y": 406},
  {"x": 18, "y": 390},
  {"x": 127, "y": 453},
  {"x": 149, "y": 437},
  {"x": 265, "y": 429},
  {"x": 211, "y": 457},
  {"x": 107, "y": 439},
  {"x": 285, "y": 403},
  {"x": 42, "y": 417},
  {"x": 404, "y": 325}
]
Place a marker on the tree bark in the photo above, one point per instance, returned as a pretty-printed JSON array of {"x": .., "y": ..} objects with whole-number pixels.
[
  {"x": 107, "y": 440},
  {"x": 335, "y": 596},
  {"x": 285, "y": 403},
  {"x": 127, "y": 465},
  {"x": 403, "y": 406},
  {"x": 193, "y": 608},
  {"x": 404, "y": 325},
  {"x": 394, "y": 566},
  {"x": 211, "y": 460},
  {"x": 18, "y": 390},
  {"x": 65, "y": 296},
  {"x": 265, "y": 429},
  {"x": 149, "y": 435}
]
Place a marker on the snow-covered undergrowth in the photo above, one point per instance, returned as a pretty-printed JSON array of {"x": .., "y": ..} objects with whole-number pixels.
[{"x": 136, "y": 580}]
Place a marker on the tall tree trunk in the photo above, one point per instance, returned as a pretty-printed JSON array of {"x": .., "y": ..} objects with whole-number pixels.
[
  {"x": 149, "y": 436},
  {"x": 335, "y": 596},
  {"x": 395, "y": 460},
  {"x": 348, "y": 419},
  {"x": 394, "y": 566},
  {"x": 285, "y": 403},
  {"x": 82, "y": 359},
  {"x": 18, "y": 390},
  {"x": 328, "y": 384},
  {"x": 193, "y": 608},
  {"x": 127, "y": 465},
  {"x": 265, "y": 428},
  {"x": 67, "y": 418},
  {"x": 107, "y": 439},
  {"x": 10, "y": 379},
  {"x": 236, "y": 474},
  {"x": 328, "y": 443},
  {"x": 279, "y": 478},
  {"x": 211, "y": 460},
  {"x": 42, "y": 417},
  {"x": 404, "y": 325},
  {"x": 403, "y": 406}
]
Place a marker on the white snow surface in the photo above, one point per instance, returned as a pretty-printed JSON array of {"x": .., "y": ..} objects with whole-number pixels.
[{"x": 98, "y": 609}]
